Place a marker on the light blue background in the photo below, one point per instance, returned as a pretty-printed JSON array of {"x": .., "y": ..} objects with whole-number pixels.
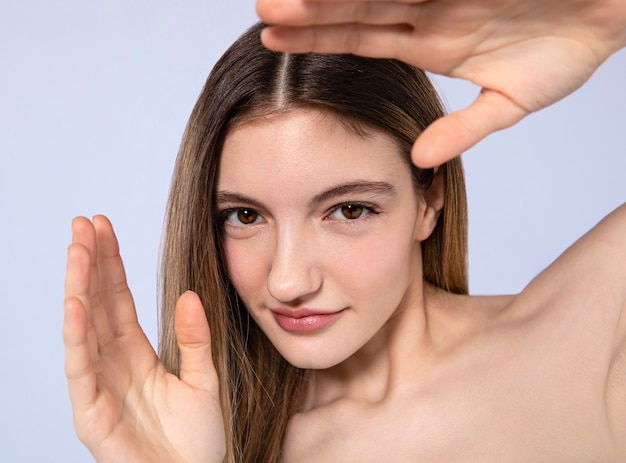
[{"x": 94, "y": 97}]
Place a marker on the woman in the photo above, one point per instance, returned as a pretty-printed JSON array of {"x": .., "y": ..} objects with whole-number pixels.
[{"x": 381, "y": 353}]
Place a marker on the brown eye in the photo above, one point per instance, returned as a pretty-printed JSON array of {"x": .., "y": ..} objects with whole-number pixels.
[
  {"x": 241, "y": 217},
  {"x": 352, "y": 211},
  {"x": 247, "y": 216}
]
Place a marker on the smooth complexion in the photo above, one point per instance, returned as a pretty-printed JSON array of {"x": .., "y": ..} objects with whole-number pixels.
[
  {"x": 309, "y": 211},
  {"x": 321, "y": 233}
]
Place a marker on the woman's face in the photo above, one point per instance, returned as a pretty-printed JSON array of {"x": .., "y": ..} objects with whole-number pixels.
[{"x": 321, "y": 231}]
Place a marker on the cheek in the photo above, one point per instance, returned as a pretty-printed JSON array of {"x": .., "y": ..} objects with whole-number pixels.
[
  {"x": 246, "y": 268},
  {"x": 379, "y": 268}
]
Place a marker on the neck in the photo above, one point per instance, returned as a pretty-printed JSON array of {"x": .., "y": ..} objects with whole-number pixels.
[{"x": 376, "y": 371}]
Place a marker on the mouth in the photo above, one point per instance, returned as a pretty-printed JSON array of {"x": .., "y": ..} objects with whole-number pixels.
[{"x": 304, "y": 320}]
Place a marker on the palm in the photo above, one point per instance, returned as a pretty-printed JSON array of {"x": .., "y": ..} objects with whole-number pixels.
[
  {"x": 524, "y": 54},
  {"x": 127, "y": 407},
  {"x": 149, "y": 414}
]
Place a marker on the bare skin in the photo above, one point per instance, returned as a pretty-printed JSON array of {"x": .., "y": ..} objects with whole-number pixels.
[
  {"x": 126, "y": 406},
  {"x": 540, "y": 376},
  {"x": 524, "y": 55},
  {"x": 533, "y": 377}
]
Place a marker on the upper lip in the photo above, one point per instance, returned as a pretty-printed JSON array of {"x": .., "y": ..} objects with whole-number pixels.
[{"x": 303, "y": 312}]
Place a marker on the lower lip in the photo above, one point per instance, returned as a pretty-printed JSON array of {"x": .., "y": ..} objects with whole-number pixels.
[{"x": 308, "y": 324}]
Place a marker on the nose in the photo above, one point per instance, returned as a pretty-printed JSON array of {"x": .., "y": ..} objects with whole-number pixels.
[{"x": 295, "y": 275}]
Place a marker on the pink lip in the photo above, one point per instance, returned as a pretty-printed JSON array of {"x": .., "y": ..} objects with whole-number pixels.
[{"x": 304, "y": 320}]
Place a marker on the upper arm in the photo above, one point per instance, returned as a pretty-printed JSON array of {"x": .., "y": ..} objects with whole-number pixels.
[
  {"x": 611, "y": 234},
  {"x": 616, "y": 391},
  {"x": 591, "y": 275},
  {"x": 616, "y": 384},
  {"x": 588, "y": 284}
]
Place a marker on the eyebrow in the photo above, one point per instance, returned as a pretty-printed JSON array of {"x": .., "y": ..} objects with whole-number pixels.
[
  {"x": 225, "y": 197},
  {"x": 362, "y": 187},
  {"x": 351, "y": 188}
]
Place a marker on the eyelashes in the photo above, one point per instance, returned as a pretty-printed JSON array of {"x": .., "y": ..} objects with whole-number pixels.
[
  {"x": 351, "y": 211},
  {"x": 240, "y": 217}
]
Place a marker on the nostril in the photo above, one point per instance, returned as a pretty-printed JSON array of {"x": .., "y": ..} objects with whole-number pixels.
[{"x": 292, "y": 286}]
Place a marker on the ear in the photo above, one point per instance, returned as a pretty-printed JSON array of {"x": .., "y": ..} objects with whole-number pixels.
[{"x": 431, "y": 206}]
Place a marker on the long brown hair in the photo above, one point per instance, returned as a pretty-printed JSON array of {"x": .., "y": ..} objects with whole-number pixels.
[{"x": 258, "y": 388}]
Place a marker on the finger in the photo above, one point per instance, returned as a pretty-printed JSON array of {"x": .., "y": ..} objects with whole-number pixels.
[
  {"x": 115, "y": 294},
  {"x": 77, "y": 286},
  {"x": 290, "y": 13},
  {"x": 455, "y": 133},
  {"x": 364, "y": 40},
  {"x": 194, "y": 340},
  {"x": 81, "y": 378},
  {"x": 84, "y": 234}
]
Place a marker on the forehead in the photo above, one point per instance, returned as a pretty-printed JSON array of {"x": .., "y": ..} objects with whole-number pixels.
[{"x": 305, "y": 150}]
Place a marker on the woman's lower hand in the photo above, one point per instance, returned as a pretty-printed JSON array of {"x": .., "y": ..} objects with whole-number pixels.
[
  {"x": 127, "y": 407},
  {"x": 524, "y": 54}
]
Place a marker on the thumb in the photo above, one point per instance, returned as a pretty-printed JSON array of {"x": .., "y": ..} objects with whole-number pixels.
[
  {"x": 194, "y": 341},
  {"x": 452, "y": 135}
]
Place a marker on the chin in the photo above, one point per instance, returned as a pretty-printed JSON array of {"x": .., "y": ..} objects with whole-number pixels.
[
  {"x": 312, "y": 361},
  {"x": 310, "y": 364}
]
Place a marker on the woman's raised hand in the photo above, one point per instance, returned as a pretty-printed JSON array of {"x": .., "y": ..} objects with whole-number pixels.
[
  {"x": 524, "y": 54},
  {"x": 127, "y": 407}
]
